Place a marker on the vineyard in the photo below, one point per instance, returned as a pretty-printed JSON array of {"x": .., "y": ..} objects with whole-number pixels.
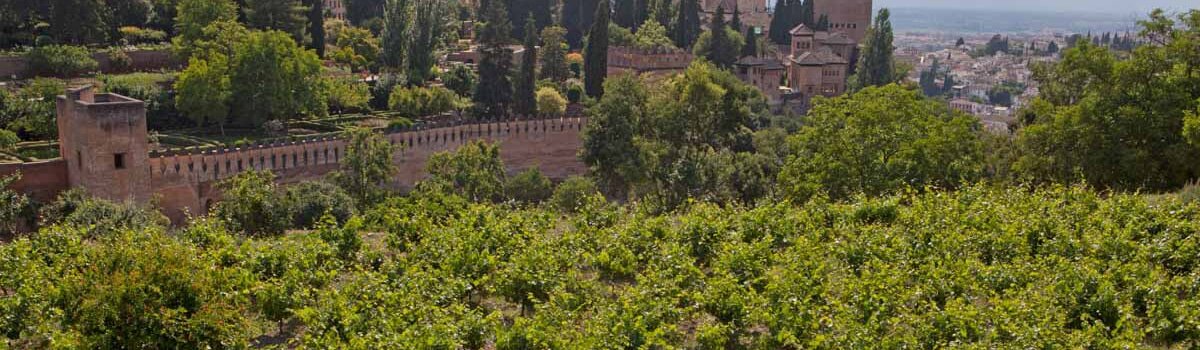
[{"x": 1062, "y": 267}]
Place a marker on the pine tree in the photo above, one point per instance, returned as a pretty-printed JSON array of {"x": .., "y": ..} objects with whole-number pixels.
[
  {"x": 640, "y": 14},
  {"x": 662, "y": 12},
  {"x": 524, "y": 102},
  {"x": 876, "y": 67},
  {"x": 493, "y": 93},
  {"x": 554, "y": 55},
  {"x": 395, "y": 33},
  {"x": 687, "y": 24},
  {"x": 595, "y": 59}
]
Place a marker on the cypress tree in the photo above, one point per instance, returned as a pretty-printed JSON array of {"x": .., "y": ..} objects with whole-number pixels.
[
  {"x": 779, "y": 22},
  {"x": 822, "y": 24},
  {"x": 805, "y": 15},
  {"x": 316, "y": 26},
  {"x": 641, "y": 13},
  {"x": 687, "y": 24},
  {"x": 595, "y": 59},
  {"x": 751, "y": 47},
  {"x": 736, "y": 22},
  {"x": 720, "y": 51},
  {"x": 624, "y": 13},
  {"x": 662, "y": 13},
  {"x": 577, "y": 17},
  {"x": 395, "y": 32},
  {"x": 493, "y": 93},
  {"x": 524, "y": 101},
  {"x": 876, "y": 67}
]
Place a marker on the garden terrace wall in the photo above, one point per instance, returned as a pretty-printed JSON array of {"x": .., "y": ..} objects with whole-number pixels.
[
  {"x": 140, "y": 61},
  {"x": 41, "y": 180},
  {"x": 184, "y": 182}
]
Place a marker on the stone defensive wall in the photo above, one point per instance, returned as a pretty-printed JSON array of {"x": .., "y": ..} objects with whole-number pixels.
[
  {"x": 184, "y": 181},
  {"x": 629, "y": 59},
  {"x": 139, "y": 61}
]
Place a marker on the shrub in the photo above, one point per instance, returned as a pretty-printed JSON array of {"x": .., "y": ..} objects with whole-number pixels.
[
  {"x": 461, "y": 79},
  {"x": 381, "y": 91},
  {"x": 529, "y": 186},
  {"x": 572, "y": 194},
  {"x": 14, "y": 206},
  {"x": 135, "y": 35},
  {"x": 61, "y": 60},
  {"x": 420, "y": 102},
  {"x": 308, "y": 201},
  {"x": 8, "y": 140},
  {"x": 549, "y": 102},
  {"x": 348, "y": 95},
  {"x": 118, "y": 60},
  {"x": 575, "y": 93},
  {"x": 97, "y": 217},
  {"x": 474, "y": 171},
  {"x": 251, "y": 204}
]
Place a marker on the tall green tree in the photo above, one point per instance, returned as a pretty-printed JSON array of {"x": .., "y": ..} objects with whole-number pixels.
[
  {"x": 429, "y": 25},
  {"x": 193, "y": 16},
  {"x": 474, "y": 171},
  {"x": 687, "y": 24},
  {"x": 493, "y": 94},
  {"x": 81, "y": 21},
  {"x": 625, "y": 13},
  {"x": 876, "y": 67},
  {"x": 359, "y": 11},
  {"x": 288, "y": 16},
  {"x": 751, "y": 46},
  {"x": 554, "y": 55},
  {"x": 879, "y": 140},
  {"x": 393, "y": 39},
  {"x": 782, "y": 22},
  {"x": 609, "y": 148},
  {"x": 367, "y": 165},
  {"x": 316, "y": 26},
  {"x": 524, "y": 100},
  {"x": 577, "y": 18},
  {"x": 721, "y": 45},
  {"x": 273, "y": 78},
  {"x": 595, "y": 59},
  {"x": 202, "y": 91}
]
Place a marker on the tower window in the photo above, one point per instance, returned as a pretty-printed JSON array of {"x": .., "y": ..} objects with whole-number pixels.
[{"x": 119, "y": 160}]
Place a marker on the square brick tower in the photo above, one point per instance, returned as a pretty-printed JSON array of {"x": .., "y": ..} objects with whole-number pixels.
[
  {"x": 852, "y": 17},
  {"x": 103, "y": 139}
]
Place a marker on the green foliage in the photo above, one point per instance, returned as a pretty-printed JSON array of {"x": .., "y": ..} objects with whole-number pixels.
[
  {"x": 461, "y": 79},
  {"x": 396, "y": 22},
  {"x": 31, "y": 111},
  {"x": 525, "y": 81},
  {"x": 1120, "y": 124},
  {"x": 422, "y": 102},
  {"x": 203, "y": 90},
  {"x": 595, "y": 59},
  {"x": 721, "y": 44},
  {"x": 549, "y": 102},
  {"x": 366, "y": 166},
  {"x": 251, "y": 204},
  {"x": 61, "y": 60},
  {"x": 430, "y": 22},
  {"x": 118, "y": 59},
  {"x": 473, "y": 171},
  {"x": 876, "y": 66},
  {"x": 529, "y": 186},
  {"x": 347, "y": 95},
  {"x": 273, "y": 78},
  {"x": 288, "y": 16},
  {"x": 573, "y": 193},
  {"x": 8, "y": 140},
  {"x": 554, "y": 55},
  {"x": 307, "y": 202},
  {"x": 97, "y": 217},
  {"x": 194, "y": 16},
  {"x": 357, "y": 49},
  {"x": 494, "y": 93},
  {"x": 880, "y": 140},
  {"x": 652, "y": 35},
  {"x": 14, "y": 206},
  {"x": 136, "y": 35}
]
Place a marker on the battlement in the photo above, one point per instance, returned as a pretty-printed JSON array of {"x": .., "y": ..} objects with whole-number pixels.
[{"x": 646, "y": 60}]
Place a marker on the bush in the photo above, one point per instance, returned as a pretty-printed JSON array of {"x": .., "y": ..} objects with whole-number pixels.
[
  {"x": 575, "y": 93},
  {"x": 529, "y": 186},
  {"x": 135, "y": 35},
  {"x": 308, "y": 201},
  {"x": 97, "y": 217},
  {"x": 14, "y": 206},
  {"x": 461, "y": 79},
  {"x": 61, "y": 60},
  {"x": 549, "y": 102},
  {"x": 420, "y": 102},
  {"x": 572, "y": 194},
  {"x": 381, "y": 91},
  {"x": 474, "y": 171},
  {"x": 118, "y": 60},
  {"x": 347, "y": 95},
  {"x": 148, "y": 87},
  {"x": 251, "y": 204},
  {"x": 8, "y": 140}
]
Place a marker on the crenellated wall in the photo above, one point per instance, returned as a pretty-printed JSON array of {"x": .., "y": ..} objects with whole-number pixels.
[{"x": 186, "y": 183}]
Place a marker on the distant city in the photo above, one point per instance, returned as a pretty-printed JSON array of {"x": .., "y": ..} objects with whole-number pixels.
[{"x": 965, "y": 21}]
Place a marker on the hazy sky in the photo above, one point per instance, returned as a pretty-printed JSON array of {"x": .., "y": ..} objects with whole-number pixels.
[{"x": 1110, "y": 6}]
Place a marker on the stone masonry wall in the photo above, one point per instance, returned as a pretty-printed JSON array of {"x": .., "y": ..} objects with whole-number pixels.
[{"x": 186, "y": 183}]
